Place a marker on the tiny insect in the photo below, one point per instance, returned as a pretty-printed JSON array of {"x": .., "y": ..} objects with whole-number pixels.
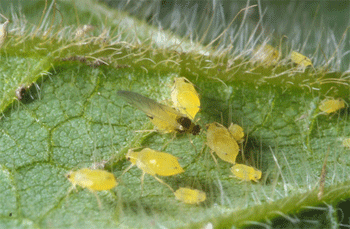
[
  {"x": 246, "y": 173},
  {"x": 300, "y": 59},
  {"x": 236, "y": 132},
  {"x": 80, "y": 32},
  {"x": 185, "y": 97},
  {"x": 190, "y": 196},
  {"x": 331, "y": 105},
  {"x": 92, "y": 179},
  {"x": 165, "y": 118},
  {"x": 3, "y": 30},
  {"x": 346, "y": 143},
  {"x": 20, "y": 92},
  {"x": 266, "y": 54},
  {"x": 221, "y": 141},
  {"x": 154, "y": 163}
]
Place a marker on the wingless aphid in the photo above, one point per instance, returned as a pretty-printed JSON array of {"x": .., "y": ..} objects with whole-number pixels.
[
  {"x": 331, "y": 105},
  {"x": 300, "y": 59},
  {"x": 190, "y": 196},
  {"x": 221, "y": 141},
  {"x": 154, "y": 163},
  {"x": 165, "y": 118},
  {"x": 245, "y": 172},
  {"x": 185, "y": 97},
  {"x": 236, "y": 132},
  {"x": 92, "y": 179}
]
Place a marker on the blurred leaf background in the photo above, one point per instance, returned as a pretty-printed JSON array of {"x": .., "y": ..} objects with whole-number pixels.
[{"x": 70, "y": 116}]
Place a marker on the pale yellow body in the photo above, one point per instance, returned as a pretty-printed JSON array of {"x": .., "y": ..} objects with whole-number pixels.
[
  {"x": 331, "y": 105},
  {"x": 266, "y": 54},
  {"x": 92, "y": 179},
  {"x": 236, "y": 132},
  {"x": 300, "y": 59},
  {"x": 246, "y": 173},
  {"x": 190, "y": 196},
  {"x": 185, "y": 97},
  {"x": 154, "y": 163},
  {"x": 221, "y": 141}
]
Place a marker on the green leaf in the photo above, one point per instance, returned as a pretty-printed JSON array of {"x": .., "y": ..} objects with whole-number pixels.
[{"x": 71, "y": 117}]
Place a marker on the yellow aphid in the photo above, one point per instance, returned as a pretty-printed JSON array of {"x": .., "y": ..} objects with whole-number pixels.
[
  {"x": 246, "y": 173},
  {"x": 221, "y": 141},
  {"x": 346, "y": 142},
  {"x": 190, "y": 196},
  {"x": 154, "y": 163},
  {"x": 331, "y": 105},
  {"x": 3, "y": 30},
  {"x": 266, "y": 54},
  {"x": 300, "y": 59},
  {"x": 236, "y": 132},
  {"x": 165, "y": 118},
  {"x": 185, "y": 97},
  {"x": 92, "y": 179}
]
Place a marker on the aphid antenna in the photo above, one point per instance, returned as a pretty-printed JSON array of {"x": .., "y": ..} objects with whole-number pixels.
[{"x": 127, "y": 169}]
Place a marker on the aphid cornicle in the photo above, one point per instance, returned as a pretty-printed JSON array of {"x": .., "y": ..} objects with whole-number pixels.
[
  {"x": 92, "y": 179},
  {"x": 165, "y": 118},
  {"x": 245, "y": 172},
  {"x": 190, "y": 196},
  {"x": 185, "y": 97},
  {"x": 221, "y": 141},
  {"x": 154, "y": 163}
]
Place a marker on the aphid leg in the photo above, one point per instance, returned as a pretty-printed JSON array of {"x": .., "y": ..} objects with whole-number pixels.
[
  {"x": 171, "y": 140},
  {"x": 98, "y": 200},
  {"x": 161, "y": 181},
  {"x": 127, "y": 169},
  {"x": 195, "y": 149},
  {"x": 216, "y": 162}
]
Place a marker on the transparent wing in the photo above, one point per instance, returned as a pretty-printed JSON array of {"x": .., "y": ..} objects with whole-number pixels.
[{"x": 153, "y": 109}]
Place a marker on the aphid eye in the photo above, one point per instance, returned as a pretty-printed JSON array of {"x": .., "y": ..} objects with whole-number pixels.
[
  {"x": 128, "y": 158},
  {"x": 68, "y": 175}
]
